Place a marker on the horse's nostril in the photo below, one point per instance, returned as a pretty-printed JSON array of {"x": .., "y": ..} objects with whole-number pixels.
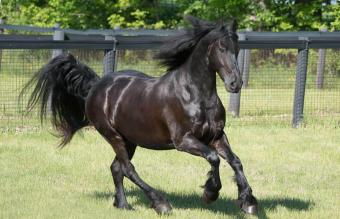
[{"x": 233, "y": 84}]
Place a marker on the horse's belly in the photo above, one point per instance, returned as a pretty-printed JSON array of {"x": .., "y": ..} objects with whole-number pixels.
[
  {"x": 148, "y": 135},
  {"x": 140, "y": 121}
]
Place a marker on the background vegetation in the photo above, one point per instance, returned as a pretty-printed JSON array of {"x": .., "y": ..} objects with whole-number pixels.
[{"x": 273, "y": 15}]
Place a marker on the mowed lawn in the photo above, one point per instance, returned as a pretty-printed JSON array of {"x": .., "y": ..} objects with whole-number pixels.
[{"x": 295, "y": 173}]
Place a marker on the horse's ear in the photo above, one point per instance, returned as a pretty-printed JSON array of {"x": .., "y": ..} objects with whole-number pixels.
[
  {"x": 221, "y": 22},
  {"x": 196, "y": 22},
  {"x": 233, "y": 26},
  {"x": 193, "y": 20}
]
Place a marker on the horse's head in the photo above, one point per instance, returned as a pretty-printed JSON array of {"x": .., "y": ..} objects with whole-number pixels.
[{"x": 222, "y": 56}]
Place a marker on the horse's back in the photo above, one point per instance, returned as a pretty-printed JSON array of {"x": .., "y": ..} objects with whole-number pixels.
[
  {"x": 115, "y": 83},
  {"x": 130, "y": 73}
]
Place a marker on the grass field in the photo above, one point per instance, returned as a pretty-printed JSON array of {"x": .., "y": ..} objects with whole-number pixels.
[{"x": 295, "y": 173}]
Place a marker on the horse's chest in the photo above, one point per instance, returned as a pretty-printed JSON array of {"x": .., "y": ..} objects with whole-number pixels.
[{"x": 208, "y": 124}]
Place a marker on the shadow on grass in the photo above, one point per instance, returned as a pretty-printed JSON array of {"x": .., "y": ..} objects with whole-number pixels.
[{"x": 222, "y": 205}]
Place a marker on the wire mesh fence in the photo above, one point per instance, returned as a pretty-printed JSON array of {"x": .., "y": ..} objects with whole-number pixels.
[
  {"x": 270, "y": 87},
  {"x": 17, "y": 68},
  {"x": 269, "y": 92},
  {"x": 325, "y": 99}
]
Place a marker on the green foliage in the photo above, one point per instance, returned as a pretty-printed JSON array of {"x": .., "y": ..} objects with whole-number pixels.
[
  {"x": 288, "y": 15},
  {"x": 151, "y": 14},
  {"x": 332, "y": 16},
  {"x": 219, "y": 9},
  {"x": 79, "y": 14},
  {"x": 272, "y": 15}
]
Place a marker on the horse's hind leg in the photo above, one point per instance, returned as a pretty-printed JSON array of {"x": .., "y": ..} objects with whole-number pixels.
[
  {"x": 158, "y": 202},
  {"x": 118, "y": 176},
  {"x": 246, "y": 200}
]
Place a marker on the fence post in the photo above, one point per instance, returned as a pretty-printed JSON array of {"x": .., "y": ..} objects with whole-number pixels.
[
  {"x": 321, "y": 65},
  {"x": 235, "y": 98},
  {"x": 2, "y": 21},
  {"x": 110, "y": 56},
  {"x": 58, "y": 35},
  {"x": 245, "y": 74},
  {"x": 300, "y": 83}
]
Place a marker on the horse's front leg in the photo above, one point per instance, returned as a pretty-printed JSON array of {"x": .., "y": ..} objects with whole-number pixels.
[
  {"x": 190, "y": 144},
  {"x": 246, "y": 200}
]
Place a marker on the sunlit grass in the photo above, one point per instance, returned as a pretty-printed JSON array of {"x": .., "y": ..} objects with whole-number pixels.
[{"x": 295, "y": 173}]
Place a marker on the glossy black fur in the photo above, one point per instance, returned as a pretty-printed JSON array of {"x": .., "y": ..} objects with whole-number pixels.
[{"x": 180, "y": 110}]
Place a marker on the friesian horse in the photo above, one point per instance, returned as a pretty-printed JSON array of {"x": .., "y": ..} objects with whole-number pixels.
[{"x": 179, "y": 110}]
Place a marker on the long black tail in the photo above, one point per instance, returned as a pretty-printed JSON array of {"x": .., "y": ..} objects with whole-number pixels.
[{"x": 62, "y": 85}]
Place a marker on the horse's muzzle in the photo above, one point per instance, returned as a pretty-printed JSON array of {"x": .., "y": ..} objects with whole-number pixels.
[{"x": 234, "y": 87}]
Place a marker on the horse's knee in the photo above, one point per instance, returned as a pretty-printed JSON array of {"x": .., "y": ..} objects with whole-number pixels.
[
  {"x": 115, "y": 167},
  {"x": 213, "y": 158}
]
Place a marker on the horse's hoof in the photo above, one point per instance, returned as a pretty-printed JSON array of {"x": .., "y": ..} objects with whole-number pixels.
[
  {"x": 209, "y": 196},
  {"x": 248, "y": 204},
  {"x": 163, "y": 208},
  {"x": 123, "y": 206},
  {"x": 250, "y": 209}
]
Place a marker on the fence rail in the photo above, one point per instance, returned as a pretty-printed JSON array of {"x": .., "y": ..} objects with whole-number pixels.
[
  {"x": 125, "y": 41},
  {"x": 153, "y": 42}
]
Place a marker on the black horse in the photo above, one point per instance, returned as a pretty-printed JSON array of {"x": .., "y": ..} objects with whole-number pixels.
[{"x": 180, "y": 110}]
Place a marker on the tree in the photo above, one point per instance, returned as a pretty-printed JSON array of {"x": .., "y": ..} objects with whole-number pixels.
[
  {"x": 153, "y": 14},
  {"x": 284, "y": 15},
  {"x": 78, "y": 14},
  {"x": 272, "y": 15}
]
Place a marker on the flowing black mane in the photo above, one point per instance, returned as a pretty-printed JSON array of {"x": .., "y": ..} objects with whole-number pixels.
[{"x": 176, "y": 50}]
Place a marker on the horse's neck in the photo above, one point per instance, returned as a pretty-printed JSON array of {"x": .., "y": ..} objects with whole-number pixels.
[{"x": 196, "y": 73}]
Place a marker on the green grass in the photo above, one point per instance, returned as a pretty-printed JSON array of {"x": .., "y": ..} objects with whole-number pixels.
[{"x": 295, "y": 173}]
